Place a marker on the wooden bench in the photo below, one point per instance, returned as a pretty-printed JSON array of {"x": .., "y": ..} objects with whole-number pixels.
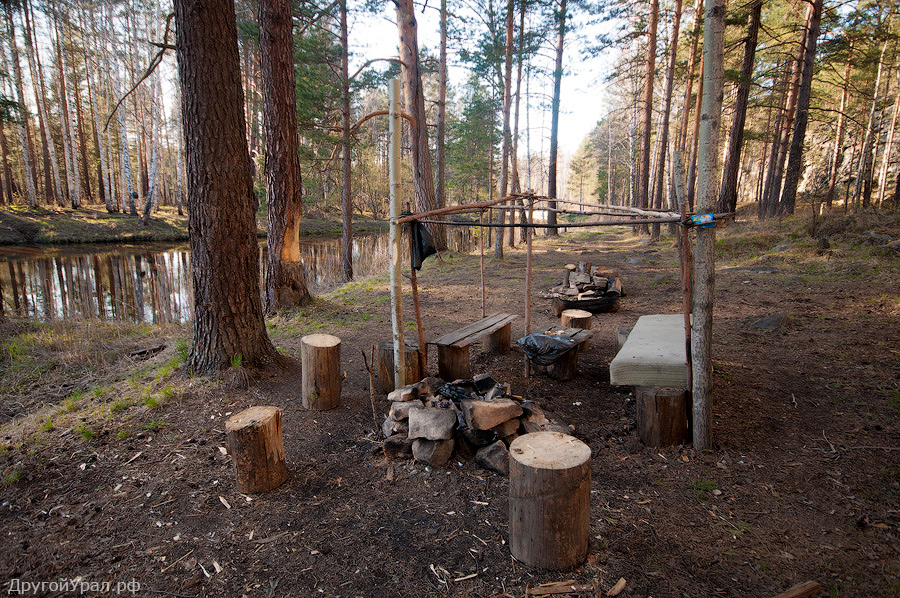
[
  {"x": 453, "y": 348},
  {"x": 653, "y": 359},
  {"x": 566, "y": 366}
]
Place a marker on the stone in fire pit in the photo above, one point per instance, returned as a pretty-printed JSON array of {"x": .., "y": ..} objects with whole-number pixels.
[{"x": 433, "y": 420}]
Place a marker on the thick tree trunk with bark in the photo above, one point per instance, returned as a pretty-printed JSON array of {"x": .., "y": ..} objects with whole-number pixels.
[
  {"x": 554, "y": 122},
  {"x": 795, "y": 157},
  {"x": 728, "y": 193},
  {"x": 285, "y": 277},
  {"x": 414, "y": 94},
  {"x": 228, "y": 314}
]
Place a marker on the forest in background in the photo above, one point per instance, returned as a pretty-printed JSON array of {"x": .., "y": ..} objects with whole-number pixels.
[{"x": 91, "y": 104}]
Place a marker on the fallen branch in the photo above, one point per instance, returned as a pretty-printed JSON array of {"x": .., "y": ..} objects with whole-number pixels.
[{"x": 802, "y": 590}]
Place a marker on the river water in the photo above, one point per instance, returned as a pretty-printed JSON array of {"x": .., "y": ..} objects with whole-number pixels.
[{"x": 151, "y": 282}]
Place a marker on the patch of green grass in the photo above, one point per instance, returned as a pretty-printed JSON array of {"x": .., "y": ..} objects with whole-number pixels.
[
  {"x": 119, "y": 405},
  {"x": 46, "y": 425},
  {"x": 151, "y": 402},
  {"x": 12, "y": 477},
  {"x": 237, "y": 360},
  {"x": 123, "y": 434},
  {"x": 736, "y": 528},
  {"x": 86, "y": 433},
  {"x": 167, "y": 392},
  {"x": 702, "y": 488},
  {"x": 153, "y": 424},
  {"x": 182, "y": 350}
]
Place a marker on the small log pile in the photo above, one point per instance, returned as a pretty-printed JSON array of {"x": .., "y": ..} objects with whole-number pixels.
[
  {"x": 433, "y": 421},
  {"x": 586, "y": 281}
]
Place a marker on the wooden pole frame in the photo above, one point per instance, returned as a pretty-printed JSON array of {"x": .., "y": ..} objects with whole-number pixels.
[{"x": 396, "y": 281}]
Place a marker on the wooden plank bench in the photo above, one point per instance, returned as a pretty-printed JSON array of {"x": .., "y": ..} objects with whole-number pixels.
[
  {"x": 653, "y": 354},
  {"x": 653, "y": 359},
  {"x": 453, "y": 347}
]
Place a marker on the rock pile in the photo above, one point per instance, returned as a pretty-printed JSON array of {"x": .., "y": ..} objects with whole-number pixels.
[
  {"x": 586, "y": 281},
  {"x": 431, "y": 421}
]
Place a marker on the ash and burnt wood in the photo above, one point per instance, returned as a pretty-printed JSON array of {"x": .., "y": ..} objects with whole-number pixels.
[
  {"x": 256, "y": 448},
  {"x": 321, "y": 376},
  {"x": 662, "y": 415},
  {"x": 227, "y": 313},
  {"x": 549, "y": 500},
  {"x": 412, "y": 369}
]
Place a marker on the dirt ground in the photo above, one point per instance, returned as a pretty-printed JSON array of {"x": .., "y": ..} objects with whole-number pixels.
[{"x": 803, "y": 482}]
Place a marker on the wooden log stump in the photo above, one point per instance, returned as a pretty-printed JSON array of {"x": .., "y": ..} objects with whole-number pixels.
[
  {"x": 412, "y": 372},
  {"x": 254, "y": 441},
  {"x": 321, "y": 379},
  {"x": 662, "y": 415},
  {"x": 549, "y": 500},
  {"x": 577, "y": 318},
  {"x": 453, "y": 362}
]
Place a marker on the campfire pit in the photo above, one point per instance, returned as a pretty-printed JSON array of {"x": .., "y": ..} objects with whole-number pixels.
[{"x": 431, "y": 421}]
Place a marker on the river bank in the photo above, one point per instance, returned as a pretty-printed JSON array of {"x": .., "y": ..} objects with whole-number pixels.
[{"x": 52, "y": 226}]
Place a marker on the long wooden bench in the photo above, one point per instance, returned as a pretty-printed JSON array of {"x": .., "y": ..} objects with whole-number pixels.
[{"x": 453, "y": 347}]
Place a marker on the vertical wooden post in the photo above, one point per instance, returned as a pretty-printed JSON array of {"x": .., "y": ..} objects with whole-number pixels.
[
  {"x": 396, "y": 282},
  {"x": 704, "y": 257},
  {"x": 422, "y": 354},
  {"x": 481, "y": 247},
  {"x": 684, "y": 259},
  {"x": 528, "y": 234}
]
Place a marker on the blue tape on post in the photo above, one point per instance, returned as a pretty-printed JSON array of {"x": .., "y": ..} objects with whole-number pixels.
[{"x": 702, "y": 220}]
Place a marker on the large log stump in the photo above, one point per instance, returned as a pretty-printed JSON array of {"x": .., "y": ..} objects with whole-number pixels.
[
  {"x": 254, "y": 441},
  {"x": 412, "y": 372},
  {"x": 662, "y": 417},
  {"x": 549, "y": 500},
  {"x": 321, "y": 379},
  {"x": 576, "y": 318}
]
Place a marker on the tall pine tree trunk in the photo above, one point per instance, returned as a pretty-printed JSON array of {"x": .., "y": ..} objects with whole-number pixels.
[
  {"x": 888, "y": 148},
  {"x": 346, "y": 197},
  {"x": 423, "y": 179},
  {"x": 285, "y": 276},
  {"x": 228, "y": 321},
  {"x": 30, "y": 174},
  {"x": 792, "y": 174},
  {"x": 506, "y": 142},
  {"x": 728, "y": 193},
  {"x": 554, "y": 123},
  {"x": 440, "y": 150},
  {"x": 649, "y": 76},
  {"x": 839, "y": 134},
  {"x": 663, "y": 132},
  {"x": 863, "y": 184}
]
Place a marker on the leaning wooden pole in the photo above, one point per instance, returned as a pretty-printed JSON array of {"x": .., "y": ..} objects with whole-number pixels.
[
  {"x": 396, "y": 282},
  {"x": 704, "y": 256},
  {"x": 422, "y": 353},
  {"x": 481, "y": 248},
  {"x": 677, "y": 170}
]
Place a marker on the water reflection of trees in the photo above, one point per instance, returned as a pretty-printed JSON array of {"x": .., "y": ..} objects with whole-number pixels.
[{"x": 154, "y": 284}]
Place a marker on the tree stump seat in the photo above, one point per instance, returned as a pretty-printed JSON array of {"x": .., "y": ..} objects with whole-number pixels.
[
  {"x": 453, "y": 347},
  {"x": 653, "y": 358}
]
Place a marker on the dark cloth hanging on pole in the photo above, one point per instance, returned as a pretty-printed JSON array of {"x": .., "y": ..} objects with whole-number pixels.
[{"x": 422, "y": 244}]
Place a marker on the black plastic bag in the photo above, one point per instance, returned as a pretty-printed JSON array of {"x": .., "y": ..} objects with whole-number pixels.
[
  {"x": 422, "y": 244},
  {"x": 545, "y": 349}
]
